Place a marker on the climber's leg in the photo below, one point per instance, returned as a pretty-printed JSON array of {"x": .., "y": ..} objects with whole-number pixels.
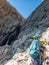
[
  {"x": 39, "y": 63},
  {"x": 35, "y": 62}
]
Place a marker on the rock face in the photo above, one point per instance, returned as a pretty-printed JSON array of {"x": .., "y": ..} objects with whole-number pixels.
[
  {"x": 17, "y": 33},
  {"x": 10, "y": 21},
  {"x": 40, "y": 15},
  {"x": 37, "y": 19}
]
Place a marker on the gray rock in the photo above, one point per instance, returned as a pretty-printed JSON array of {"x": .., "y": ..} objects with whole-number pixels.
[{"x": 17, "y": 33}]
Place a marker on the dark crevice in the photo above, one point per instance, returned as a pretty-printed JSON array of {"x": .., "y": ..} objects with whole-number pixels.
[
  {"x": 14, "y": 35},
  {"x": 8, "y": 38},
  {"x": 4, "y": 40}
]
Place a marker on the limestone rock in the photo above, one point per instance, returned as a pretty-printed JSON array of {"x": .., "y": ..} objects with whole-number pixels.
[
  {"x": 10, "y": 20},
  {"x": 5, "y": 53},
  {"x": 45, "y": 35},
  {"x": 11, "y": 62},
  {"x": 17, "y": 33},
  {"x": 39, "y": 17}
]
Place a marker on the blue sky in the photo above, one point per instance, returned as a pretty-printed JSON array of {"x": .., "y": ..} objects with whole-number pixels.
[{"x": 25, "y": 7}]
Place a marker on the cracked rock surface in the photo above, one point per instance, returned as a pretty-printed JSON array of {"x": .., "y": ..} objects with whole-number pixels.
[{"x": 17, "y": 33}]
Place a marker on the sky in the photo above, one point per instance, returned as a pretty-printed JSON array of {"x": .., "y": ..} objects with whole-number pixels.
[{"x": 25, "y": 7}]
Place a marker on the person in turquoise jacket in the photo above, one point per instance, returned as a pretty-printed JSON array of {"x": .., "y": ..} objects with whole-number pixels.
[{"x": 35, "y": 52}]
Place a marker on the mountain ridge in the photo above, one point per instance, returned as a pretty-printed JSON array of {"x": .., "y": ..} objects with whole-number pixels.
[{"x": 17, "y": 33}]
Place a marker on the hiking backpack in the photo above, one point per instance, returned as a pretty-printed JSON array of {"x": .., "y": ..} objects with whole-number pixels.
[{"x": 35, "y": 49}]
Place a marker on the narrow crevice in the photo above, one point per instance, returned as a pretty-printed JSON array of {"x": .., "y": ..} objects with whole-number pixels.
[
  {"x": 14, "y": 35},
  {"x": 8, "y": 38}
]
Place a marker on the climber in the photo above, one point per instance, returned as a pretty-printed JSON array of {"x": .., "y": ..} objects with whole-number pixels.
[
  {"x": 35, "y": 52},
  {"x": 45, "y": 52},
  {"x": 43, "y": 49}
]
